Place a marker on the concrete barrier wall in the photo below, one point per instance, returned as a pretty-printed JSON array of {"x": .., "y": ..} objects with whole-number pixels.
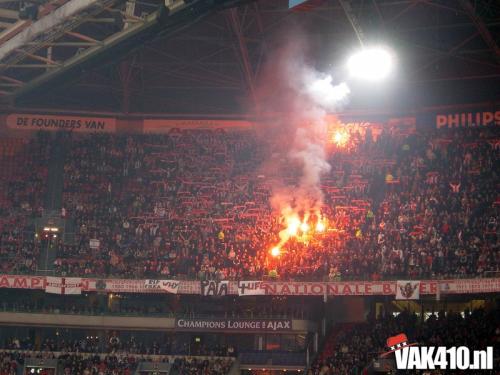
[{"x": 113, "y": 322}]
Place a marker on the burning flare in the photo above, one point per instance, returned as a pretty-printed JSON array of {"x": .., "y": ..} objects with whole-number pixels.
[
  {"x": 341, "y": 138},
  {"x": 320, "y": 227},
  {"x": 304, "y": 227},
  {"x": 275, "y": 251},
  {"x": 302, "y": 97}
]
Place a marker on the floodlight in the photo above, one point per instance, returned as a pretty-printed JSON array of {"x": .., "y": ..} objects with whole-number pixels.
[{"x": 372, "y": 64}]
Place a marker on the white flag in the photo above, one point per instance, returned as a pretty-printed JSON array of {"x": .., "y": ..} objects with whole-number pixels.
[{"x": 63, "y": 285}]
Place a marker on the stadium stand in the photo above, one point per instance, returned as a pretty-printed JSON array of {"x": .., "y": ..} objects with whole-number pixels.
[
  {"x": 9, "y": 363},
  {"x": 74, "y": 363},
  {"x": 406, "y": 206},
  {"x": 168, "y": 206},
  {"x": 395, "y": 210},
  {"x": 23, "y": 174},
  {"x": 118, "y": 343},
  {"x": 245, "y": 187}
]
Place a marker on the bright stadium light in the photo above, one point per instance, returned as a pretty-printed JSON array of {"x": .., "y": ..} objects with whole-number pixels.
[{"x": 372, "y": 64}]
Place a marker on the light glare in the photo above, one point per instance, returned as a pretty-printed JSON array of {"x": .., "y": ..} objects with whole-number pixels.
[
  {"x": 275, "y": 251},
  {"x": 372, "y": 64},
  {"x": 293, "y": 226},
  {"x": 304, "y": 227},
  {"x": 340, "y": 138},
  {"x": 320, "y": 227}
]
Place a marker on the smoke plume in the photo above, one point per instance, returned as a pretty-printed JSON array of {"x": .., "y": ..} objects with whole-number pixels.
[{"x": 300, "y": 98}]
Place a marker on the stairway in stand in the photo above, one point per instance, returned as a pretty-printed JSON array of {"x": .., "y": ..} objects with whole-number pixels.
[
  {"x": 55, "y": 180},
  {"x": 52, "y": 206}
]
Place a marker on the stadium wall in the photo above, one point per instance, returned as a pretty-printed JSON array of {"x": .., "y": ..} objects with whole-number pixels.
[
  {"x": 155, "y": 323},
  {"x": 349, "y": 310}
]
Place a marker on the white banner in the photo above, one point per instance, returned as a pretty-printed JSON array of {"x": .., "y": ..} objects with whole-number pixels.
[
  {"x": 243, "y": 288},
  {"x": 214, "y": 288},
  {"x": 63, "y": 285},
  {"x": 169, "y": 286},
  {"x": 118, "y": 286},
  {"x": 408, "y": 290},
  {"x": 250, "y": 288}
]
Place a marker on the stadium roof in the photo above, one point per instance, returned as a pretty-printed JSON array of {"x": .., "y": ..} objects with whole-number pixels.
[{"x": 448, "y": 53}]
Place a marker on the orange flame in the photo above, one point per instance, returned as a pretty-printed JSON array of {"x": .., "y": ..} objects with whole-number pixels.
[
  {"x": 341, "y": 138},
  {"x": 275, "y": 251}
]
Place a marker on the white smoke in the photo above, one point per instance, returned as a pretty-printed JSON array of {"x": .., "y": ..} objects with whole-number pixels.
[
  {"x": 314, "y": 95},
  {"x": 302, "y": 97},
  {"x": 322, "y": 92}
]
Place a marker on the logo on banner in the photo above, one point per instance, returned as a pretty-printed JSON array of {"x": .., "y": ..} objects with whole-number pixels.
[
  {"x": 250, "y": 288},
  {"x": 63, "y": 285},
  {"x": 412, "y": 357},
  {"x": 214, "y": 288},
  {"x": 408, "y": 290},
  {"x": 467, "y": 119}
]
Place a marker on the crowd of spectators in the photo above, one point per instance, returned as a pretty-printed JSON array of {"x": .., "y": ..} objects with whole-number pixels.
[
  {"x": 8, "y": 363},
  {"x": 110, "y": 364},
  {"x": 84, "y": 308},
  {"x": 157, "y": 205},
  {"x": 23, "y": 177},
  {"x": 75, "y": 364},
  {"x": 70, "y": 364},
  {"x": 196, "y": 204},
  {"x": 126, "y": 305},
  {"x": 117, "y": 343},
  {"x": 195, "y": 366},
  {"x": 357, "y": 346}
]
